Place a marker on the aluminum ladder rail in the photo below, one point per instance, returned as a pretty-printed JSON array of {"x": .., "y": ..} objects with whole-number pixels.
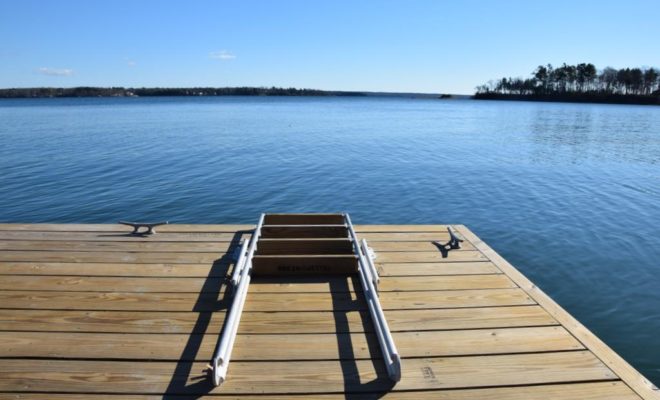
[
  {"x": 240, "y": 281},
  {"x": 369, "y": 279}
]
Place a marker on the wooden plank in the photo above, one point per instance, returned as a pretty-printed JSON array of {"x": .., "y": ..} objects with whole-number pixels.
[
  {"x": 293, "y": 284},
  {"x": 204, "y": 237},
  {"x": 436, "y": 343},
  {"x": 453, "y": 299},
  {"x": 95, "y": 246},
  {"x": 110, "y": 301},
  {"x": 206, "y": 257},
  {"x": 115, "y": 269},
  {"x": 304, "y": 219},
  {"x": 615, "y": 390},
  {"x": 202, "y": 227},
  {"x": 611, "y": 390},
  {"x": 303, "y": 231},
  {"x": 270, "y": 322},
  {"x": 403, "y": 236},
  {"x": 425, "y": 373},
  {"x": 302, "y": 265},
  {"x": 300, "y": 377},
  {"x": 110, "y": 284},
  {"x": 304, "y": 246},
  {"x": 219, "y": 269},
  {"x": 60, "y": 300},
  {"x": 120, "y": 321},
  {"x": 427, "y": 245},
  {"x": 400, "y": 228},
  {"x": 430, "y": 269},
  {"x": 284, "y": 347},
  {"x": 642, "y": 386},
  {"x": 111, "y": 257},
  {"x": 123, "y": 228},
  {"x": 428, "y": 256},
  {"x": 444, "y": 282}
]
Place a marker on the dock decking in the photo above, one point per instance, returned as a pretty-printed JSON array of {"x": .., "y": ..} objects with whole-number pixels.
[{"x": 90, "y": 312}]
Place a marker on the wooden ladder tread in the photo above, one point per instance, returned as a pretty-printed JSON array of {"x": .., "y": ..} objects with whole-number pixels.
[
  {"x": 307, "y": 264},
  {"x": 304, "y": 246},
  {"x": 304, "y": 231},
  {"x": 303, "y": 219}
]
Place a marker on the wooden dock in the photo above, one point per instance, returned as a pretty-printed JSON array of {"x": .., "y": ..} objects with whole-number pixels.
[{"x": 90, "y": 312}]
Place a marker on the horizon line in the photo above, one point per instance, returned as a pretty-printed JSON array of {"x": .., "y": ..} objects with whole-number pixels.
[{"x": 236, "y": 87}]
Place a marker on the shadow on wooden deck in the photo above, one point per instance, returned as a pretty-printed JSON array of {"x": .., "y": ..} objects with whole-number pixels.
[
  {"x": 342, "y": 301},
  {"x": 341, "y": 296},
  {"x": 210, "y": 291}
]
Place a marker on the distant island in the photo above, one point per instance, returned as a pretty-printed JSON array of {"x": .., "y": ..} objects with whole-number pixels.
[
  {"x": 88, "y": 91},
  {"x": 578, "y": 83}
]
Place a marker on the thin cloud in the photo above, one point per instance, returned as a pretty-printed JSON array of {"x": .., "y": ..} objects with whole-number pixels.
[
  {"x": 55, "y": 71},
  {"x": 222, "y": 55},
  {"x": 130, "y": 62}
]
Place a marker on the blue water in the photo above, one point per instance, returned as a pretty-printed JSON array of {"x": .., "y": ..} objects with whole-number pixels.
[{"x": 569, "y": 193}]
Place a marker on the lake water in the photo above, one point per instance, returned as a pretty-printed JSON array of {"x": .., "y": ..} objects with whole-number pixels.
[{"x": 569, "y": 193}]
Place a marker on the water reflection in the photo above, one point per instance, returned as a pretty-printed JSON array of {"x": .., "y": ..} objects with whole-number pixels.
[{"x": 561, "y": 136}]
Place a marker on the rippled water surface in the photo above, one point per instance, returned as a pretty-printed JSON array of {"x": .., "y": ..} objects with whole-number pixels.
[{"x": 568, "y": 193}]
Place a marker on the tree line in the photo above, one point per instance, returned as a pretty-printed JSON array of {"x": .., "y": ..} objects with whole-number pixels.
[
  {"x": 146, "y": 92},
  {"x": 583, "y": 80}
]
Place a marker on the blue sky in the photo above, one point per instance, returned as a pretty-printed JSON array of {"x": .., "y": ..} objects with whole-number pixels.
[{"x": 420, "y": 46}]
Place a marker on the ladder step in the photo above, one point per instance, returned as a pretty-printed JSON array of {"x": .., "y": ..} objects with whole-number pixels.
[
  {"x": 303, "y": 219},
  {"x": 303, "y": 231},
  {"x": 304, "y": 264},
  {"x": 304, "y": 246}
]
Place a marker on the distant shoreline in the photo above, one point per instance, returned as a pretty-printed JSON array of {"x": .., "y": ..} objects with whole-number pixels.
[
  {"x": 121, "y": 92},
  {"x": 573, "y": 98},
  {"x": 75, "y": 92}
]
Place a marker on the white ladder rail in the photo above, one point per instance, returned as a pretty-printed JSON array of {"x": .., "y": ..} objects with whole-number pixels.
[
  {"x": 222, "y": 355},
  {"x": 368, "y": 275}
]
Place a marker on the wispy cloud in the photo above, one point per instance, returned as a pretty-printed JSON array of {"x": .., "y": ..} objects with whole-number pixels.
[
  {"x": 222, "y": 55},
  {"x": 130, "y": 62},
  {"x": 55, "y": 71}
]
